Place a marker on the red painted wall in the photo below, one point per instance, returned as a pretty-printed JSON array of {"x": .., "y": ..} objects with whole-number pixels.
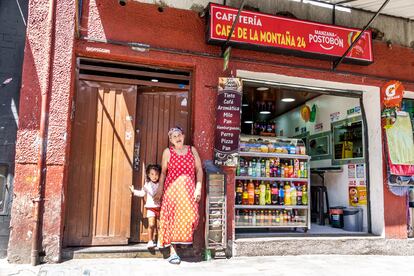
[{"x": 177, "y": 40}]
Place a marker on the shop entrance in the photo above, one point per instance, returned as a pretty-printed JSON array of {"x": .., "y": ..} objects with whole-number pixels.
[
  {"x": 303, "y": 163},
  {"x": 120, "y": 120}
]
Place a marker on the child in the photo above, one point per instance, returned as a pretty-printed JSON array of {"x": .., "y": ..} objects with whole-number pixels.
[{"x": 153, "y": 208}]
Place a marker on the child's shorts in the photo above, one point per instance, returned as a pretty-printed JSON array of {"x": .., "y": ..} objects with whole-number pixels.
[{"x": 153, "y": 212}]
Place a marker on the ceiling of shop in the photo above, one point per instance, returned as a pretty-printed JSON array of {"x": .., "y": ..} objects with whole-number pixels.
[
  {"x": 259, "y": 99},
  {"x": 399, "y": 8}
]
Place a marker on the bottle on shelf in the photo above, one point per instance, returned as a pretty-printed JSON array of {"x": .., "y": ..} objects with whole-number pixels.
[
  {"x": 250, "y": 168},
  {"x": 299, "y": 195},
  {"x": 272, "y": 168},
  {"x": 250, "y": 191},
  {"x": 262, "y": 199},
  {"x": 258, "y": 168},
  {"x": 253, "y": 166},
  {"x": 239, "y": 193},
  {"x": 237, "y": 217},
  {"x": 263, "y": 168},
  {"x": 269, "y": 218},
  {"x": 261, "y": 218},
  {"x": 250, "y": 218},
  {"x": 267, "y": 168},
  {"x": 268, "y": 195},
  {"x": 293, "y": 194},
  {"x": 256, "y": 194},
  {"x": 245, "y": 199},
  {"x": 254, "y": 218},
  {"x": 296, "y": 168},
  {"x": 245, "y": 217},
  {"x": 281, "y": 194},
  {"x": 274, "y": 222},
  {"x": 291, "y": 171},
  {"x": 285, "y": 217},
  {"x": 277, "y": 217},
  {"x": 286, "y": 171},
  {"x": 241, "y": 168},
  {"x": 275, "y": 194},
  {"x": 287, "y": 194},
  {"x": 305, "y": 170},
  {"x": 305, "y": 195}
]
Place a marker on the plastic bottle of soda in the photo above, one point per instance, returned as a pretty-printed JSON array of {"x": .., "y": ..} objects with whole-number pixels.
[
  {"x": 299, "y": 195},
  {"x": 250, "y": 191},
  {"x": 258, "y": 168},
  {"x": 267, "y": 168},
  {"x": 245, "y": 199},
  {"x": 286, "y": 170},
  {"x": 253, "y": 168},
  {"x": 263, "y": 168},
  {"x": 281, "y": 194},
  {"x": 288, "y": 200},
  {"x": 262, "y": 198},
  {"x": 272, "y": 168},
  {"x": 239, "y": 193},
  {"x": 268, "y": 195},
  {"x": 256, "y": 194},
  {"x": 305, "y": 195},
  {"x": 291, "y": 169},
  {"x": 275, "y": 193},
  {"x": 293, "y": 194}
]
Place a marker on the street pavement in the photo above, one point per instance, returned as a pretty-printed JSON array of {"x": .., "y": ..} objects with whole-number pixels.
[{"x": 321, "y": 265}]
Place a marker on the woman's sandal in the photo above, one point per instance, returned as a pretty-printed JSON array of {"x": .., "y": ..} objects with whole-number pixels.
[{"x": 174, "y": 259}]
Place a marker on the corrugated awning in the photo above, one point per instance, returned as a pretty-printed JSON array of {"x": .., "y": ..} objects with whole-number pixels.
[{"x": 399, "y": 8}]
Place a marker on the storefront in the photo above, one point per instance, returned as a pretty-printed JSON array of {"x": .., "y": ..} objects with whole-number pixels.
[{"x": 163, "y": 73}]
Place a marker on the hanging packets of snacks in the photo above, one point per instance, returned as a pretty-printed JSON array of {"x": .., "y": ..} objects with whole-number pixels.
[{"x": 388, "y": 116}]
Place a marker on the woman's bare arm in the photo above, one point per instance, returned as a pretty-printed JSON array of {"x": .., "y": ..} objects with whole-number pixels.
[{"x": 199, "y": 174}]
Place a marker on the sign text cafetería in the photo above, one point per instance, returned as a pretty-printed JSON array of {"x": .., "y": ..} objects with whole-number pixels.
[{"x": 285, "y": 35}]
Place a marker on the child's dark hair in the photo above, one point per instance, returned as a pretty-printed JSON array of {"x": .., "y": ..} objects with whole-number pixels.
[{"x": 154, "y": 167}]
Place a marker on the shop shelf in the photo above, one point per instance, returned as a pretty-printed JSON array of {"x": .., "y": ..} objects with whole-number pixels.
[
  {"x": 268, "y": 207},
  {"x": 292, "y": 225},
  {"x": 272, "y": 179},
  {"x": 272, "y": 155}
]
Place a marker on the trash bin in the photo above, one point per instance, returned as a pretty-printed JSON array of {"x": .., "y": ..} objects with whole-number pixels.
[
  {"x": 411, "y": 197},
  {"x": 353, "y": 219},
  {"x": 337, "y": 216}
]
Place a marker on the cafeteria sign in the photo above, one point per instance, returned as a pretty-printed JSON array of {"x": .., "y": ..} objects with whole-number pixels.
[{"x": 285, "y": 35}]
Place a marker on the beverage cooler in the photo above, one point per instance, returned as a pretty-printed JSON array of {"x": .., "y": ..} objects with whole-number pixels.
[{"x": 272, "y": 184}]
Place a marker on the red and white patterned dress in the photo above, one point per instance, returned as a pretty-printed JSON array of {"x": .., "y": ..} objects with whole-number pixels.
[{"x": 179, "y": 210}]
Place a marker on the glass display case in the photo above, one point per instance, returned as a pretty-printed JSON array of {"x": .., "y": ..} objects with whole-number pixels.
[
  {"x": 348, "y": 141},
  {"x": 272, "y": 184}
]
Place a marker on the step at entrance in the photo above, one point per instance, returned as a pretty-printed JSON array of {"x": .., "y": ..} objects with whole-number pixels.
[{"x": 130, "y": 251}]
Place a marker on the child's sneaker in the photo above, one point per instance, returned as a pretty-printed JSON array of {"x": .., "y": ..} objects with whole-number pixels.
[{"x": 150, "y": 244}]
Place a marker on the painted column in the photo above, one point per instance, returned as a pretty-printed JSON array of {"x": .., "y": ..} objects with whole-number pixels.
[{"x": 48, "y": 68}]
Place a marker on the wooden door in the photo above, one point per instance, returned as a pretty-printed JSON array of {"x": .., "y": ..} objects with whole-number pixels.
[
  {"x": 158, "y": 110},
  {"x": 101, "y": 165}
]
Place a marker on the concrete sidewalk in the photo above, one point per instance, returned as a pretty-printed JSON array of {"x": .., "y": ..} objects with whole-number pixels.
[{"x": 278, "y": 265}]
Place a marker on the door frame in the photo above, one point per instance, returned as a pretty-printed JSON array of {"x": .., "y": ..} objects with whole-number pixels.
[{"x": 90, "y": 77}]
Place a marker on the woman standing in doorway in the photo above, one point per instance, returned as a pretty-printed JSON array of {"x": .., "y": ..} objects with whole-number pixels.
[{"x": 180, "y": 189}]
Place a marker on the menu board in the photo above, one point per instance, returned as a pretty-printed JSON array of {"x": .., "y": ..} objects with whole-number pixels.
[{"x": 228, "y": 113}]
